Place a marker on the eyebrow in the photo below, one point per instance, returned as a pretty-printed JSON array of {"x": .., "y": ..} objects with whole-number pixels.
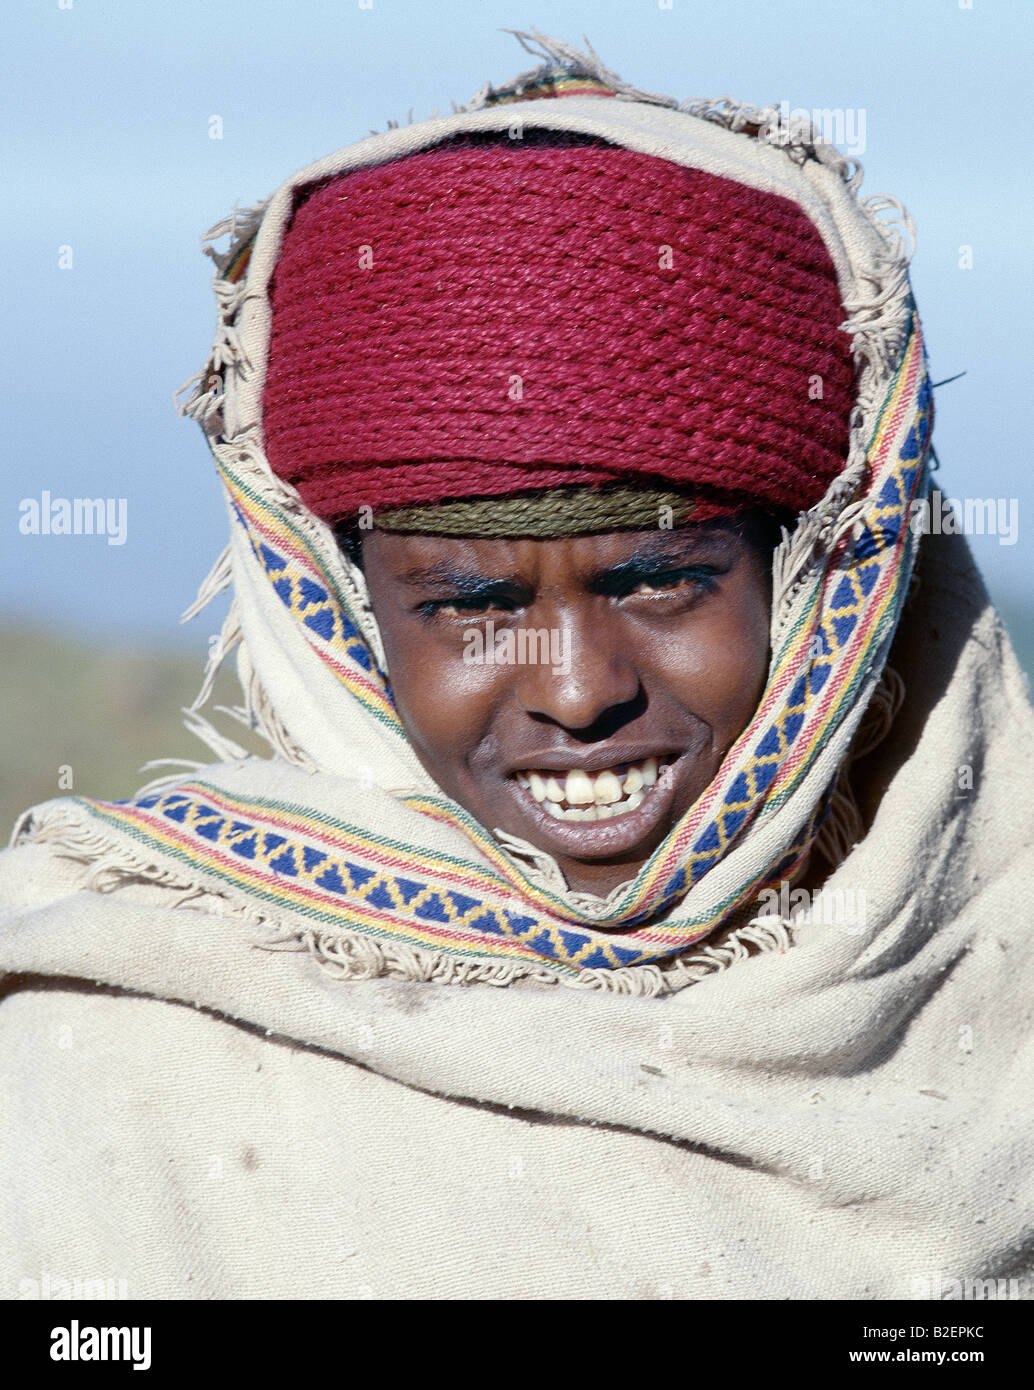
[
  {"x": 672, "y": 550},
  {"x": 460, "y": 581},
  {"x": 668, "y": 552}
]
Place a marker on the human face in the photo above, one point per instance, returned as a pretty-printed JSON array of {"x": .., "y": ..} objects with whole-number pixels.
[{"x": 663, "y": 644}]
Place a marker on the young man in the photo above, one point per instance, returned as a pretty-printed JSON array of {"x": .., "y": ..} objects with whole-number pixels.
[{"x": 574, "y": 445}]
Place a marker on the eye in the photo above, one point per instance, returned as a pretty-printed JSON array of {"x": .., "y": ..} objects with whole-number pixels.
[
  {"x": 695, "y": 579},
  {"x": 465, "y": 605}
]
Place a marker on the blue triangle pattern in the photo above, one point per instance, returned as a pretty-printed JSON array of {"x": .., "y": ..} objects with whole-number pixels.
[
  {"x": 817, "y": 679},
  {"x": 732, "y": 820},
  {"x": 699, "y": 867},
  {"x": 322, "y": 623},
  {"x": 311, "y": 857},
  {"x": 272, "y": 561},
  {"x": 486, "y": 923},
  {"x": 573, "y": 941},
  {"x": 676, "y": 884},
  {"x": 792, "y": 727},
  {"x": 462, "y": 903},
  {"x": 868, "y": 544},
  {"x": 739, "y": 791},
  {"x": 771, "y": 745},
  {"x": 595, "y": 960},
  {"x": 764, "y": 773},
  {"x": 843, "y": 596},
  {"x": 543, "y": 944},
  {"x": 331, "y": 880},
  {"x": 519, "y": 924},
  {"x": 433, "y": 909},
  {"x": 625, "y": 955},
  {"x": 408, "y": 889},
  {"x": 867, "y": 577},
  {"x": 709, "y": 840},
  {"x": 890, "y": 493},
  {"x": 380, "y": 897},
  {"x": 310, "y": 592}
]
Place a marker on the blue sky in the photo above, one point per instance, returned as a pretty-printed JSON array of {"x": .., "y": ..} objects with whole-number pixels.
[{"x": 106, "y": 110}]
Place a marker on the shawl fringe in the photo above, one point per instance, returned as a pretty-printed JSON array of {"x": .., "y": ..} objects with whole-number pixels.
[{"x": 345, "y": 955}]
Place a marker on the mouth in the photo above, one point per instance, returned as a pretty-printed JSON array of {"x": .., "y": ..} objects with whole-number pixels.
[{"x": 600, "y": 814}]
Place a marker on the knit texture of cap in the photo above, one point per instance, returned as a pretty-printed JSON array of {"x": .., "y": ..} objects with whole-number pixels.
[{"x": 476, "y": 321}]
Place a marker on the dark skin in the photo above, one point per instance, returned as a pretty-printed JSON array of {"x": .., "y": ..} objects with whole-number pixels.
[{"x": 668, "y": 635}]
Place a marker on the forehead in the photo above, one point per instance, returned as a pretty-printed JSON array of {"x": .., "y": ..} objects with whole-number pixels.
[{"x": 417, "y": 559}]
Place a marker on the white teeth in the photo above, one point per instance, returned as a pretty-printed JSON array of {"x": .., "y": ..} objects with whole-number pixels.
[
  {"x": 607, "y": 789},
  {"x": 554, "y": 790},
  {"x": 579, "y": 788},
  {"x": 633, "y": 781},
  {"x": 580, "y": 796},
  {"x": 580, "y": 813}
]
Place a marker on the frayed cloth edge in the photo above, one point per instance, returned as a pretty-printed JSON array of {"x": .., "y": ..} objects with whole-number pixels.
[{"x": 351, "y": 955}]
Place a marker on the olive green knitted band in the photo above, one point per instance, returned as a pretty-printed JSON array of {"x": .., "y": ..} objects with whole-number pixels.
[{"x": 561, "y": 511}]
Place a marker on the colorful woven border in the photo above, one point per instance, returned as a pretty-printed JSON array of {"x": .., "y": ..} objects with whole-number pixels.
[
  {"x": 332, "y": 873},
  {"x": 315, "y": 602}
]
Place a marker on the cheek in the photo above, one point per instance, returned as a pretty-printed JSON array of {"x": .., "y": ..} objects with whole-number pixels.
[
  {"x": 445, "y": 703},
  {"x": 718, "y": 665}
]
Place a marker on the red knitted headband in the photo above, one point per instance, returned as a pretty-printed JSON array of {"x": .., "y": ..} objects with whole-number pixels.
[{"x": 485, "y": 320}]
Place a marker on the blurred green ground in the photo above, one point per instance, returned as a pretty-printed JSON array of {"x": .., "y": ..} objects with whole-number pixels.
[
  {"x": 101, "y": 711},
  {"x": 105, "y": 711}
]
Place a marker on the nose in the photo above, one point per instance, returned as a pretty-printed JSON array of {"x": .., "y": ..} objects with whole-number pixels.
[{"x": 595, "y": 676}]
